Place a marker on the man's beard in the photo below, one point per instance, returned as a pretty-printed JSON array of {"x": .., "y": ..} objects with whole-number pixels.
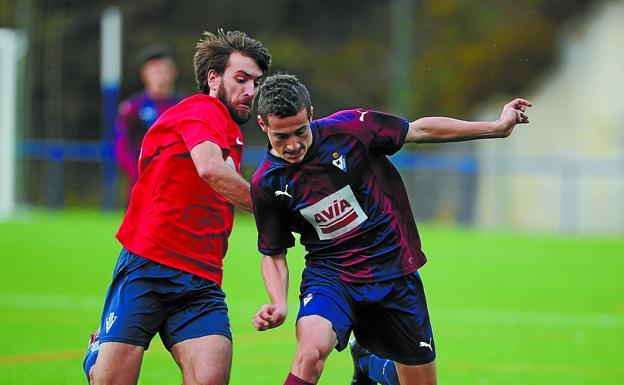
[{"x": 239, "y": 117}]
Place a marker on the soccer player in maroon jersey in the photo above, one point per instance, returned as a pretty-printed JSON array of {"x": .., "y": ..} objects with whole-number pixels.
[
  {"x": 175, "y": 231},
  {"x": 331, "y": 181},
  {"x": 137, "y": 113}
]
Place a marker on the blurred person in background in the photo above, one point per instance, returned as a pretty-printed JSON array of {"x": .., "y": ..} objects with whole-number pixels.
[
  {"x": 330, "y": 180},
  {"x": 175, "y": 232},
  {"x": 136, "y": 114}
]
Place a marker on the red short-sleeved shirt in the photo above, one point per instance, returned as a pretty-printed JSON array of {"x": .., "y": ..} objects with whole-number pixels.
[{"x": 175, "y": 218}]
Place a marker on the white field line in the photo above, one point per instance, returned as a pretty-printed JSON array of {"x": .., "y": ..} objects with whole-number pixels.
[
  {"x": 17, "y": 301},
  {"x": 528, "y": 318},
  {"x": 25, "y": 301}
]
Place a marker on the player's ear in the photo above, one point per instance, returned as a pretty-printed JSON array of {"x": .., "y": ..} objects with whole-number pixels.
[
  {"x": 213, "y": 79},
  {"x": 311, "y": 113},
  {"x": 261, "y": 123}
]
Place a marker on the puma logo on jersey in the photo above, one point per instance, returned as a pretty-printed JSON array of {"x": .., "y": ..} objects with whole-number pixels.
[
  {"x": 285, "y": 192},
  {"x": 362, "y": 113},
  {"x": 335, "y": 214},
  {"x": 426, "y": 345}
]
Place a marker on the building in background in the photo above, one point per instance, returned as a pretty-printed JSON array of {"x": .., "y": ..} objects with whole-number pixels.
[{"x": 565, "y": 170}]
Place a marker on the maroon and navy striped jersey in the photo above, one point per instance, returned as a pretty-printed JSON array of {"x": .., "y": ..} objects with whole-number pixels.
[{"x": 345, "y": 198}]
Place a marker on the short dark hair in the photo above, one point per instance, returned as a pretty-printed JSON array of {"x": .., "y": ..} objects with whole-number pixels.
[
  {"x": 156, "y": 51},
  {"x": 213, "y": 53},
  {"x": 283, "y": 95}
]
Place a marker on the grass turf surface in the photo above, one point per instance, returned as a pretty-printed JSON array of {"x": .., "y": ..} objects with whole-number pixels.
[{"x": 506, "y": 308}]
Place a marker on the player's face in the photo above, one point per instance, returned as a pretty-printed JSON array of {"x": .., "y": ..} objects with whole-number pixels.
[
  {"x": 158, "y": 75},
  {"x": 236, "y": 87},
  {"x": 290, "y": 137}
]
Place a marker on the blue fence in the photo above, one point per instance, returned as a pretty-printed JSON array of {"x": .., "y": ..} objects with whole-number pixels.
[
  {"x": 83, "y": 151},
  {"x": 427, "y": 174},
  {"x": 57, "y": 152}
]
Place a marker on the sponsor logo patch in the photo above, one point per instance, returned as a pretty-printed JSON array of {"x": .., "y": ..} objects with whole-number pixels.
[{"x": 335, "y": 215}]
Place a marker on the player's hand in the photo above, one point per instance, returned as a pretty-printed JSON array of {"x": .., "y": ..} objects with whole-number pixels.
[
  {"x": 270, "y": 316},
  {"x": 513, "y": 113}
]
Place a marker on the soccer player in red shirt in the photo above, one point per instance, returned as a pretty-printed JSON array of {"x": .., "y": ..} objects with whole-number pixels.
[
  {"x": 331, "y": 181},
  {"x": 175, "y": 231}
]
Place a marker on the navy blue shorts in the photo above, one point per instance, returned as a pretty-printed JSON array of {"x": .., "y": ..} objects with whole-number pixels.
[
  {"x": 146, "y": 298},
  {"x": 388, "y": 318}
]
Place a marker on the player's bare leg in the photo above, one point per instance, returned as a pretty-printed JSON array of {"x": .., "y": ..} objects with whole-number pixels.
[
  {"x": 315, "y": 341},
  {"x": 417, "y": 374},
  {"x": 205, "y": 360},
  {"x": 117, "y": 364}
]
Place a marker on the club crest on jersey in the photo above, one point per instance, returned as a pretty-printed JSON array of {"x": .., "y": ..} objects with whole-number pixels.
[
  {"x": 110, "y": 320},
  {"x": 339, "y": 161},
  {"x": 307, "y": 299},
  {"x": 335, "y": 214}
]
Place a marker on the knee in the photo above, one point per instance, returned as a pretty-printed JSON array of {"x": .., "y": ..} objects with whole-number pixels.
[
  {"x": 207, "y": 379},
  {"x": 310, "y": 364},
  {"x": 101, "y": 374},
  {"x": 100, "y": 377},
  {"x": 90, "y": 377},
  {"x": 308, "y": 357}
]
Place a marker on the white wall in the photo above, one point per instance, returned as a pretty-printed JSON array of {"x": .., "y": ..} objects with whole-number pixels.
[{"x": 565, "y": 170}]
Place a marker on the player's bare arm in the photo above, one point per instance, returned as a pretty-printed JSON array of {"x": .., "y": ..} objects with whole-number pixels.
[
  {"x": 442, "y": 129},
  {"x": 275, "y": 274},
  {"x": 211, "y": 167}
]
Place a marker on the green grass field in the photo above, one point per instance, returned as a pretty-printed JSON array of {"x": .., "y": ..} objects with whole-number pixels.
[{"x": 506, "y": 308}]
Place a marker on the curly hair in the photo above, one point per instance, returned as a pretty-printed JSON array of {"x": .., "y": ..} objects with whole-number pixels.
[
  {"x": 213, "y": 52},
  {"x": 283, "y": 95}
]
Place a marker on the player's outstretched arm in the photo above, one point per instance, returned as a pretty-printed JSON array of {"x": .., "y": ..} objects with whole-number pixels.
[
  {"x": 442, "y": 129},
  {"x": 211, "y": 167},
  {"x": 275, "y": 274}
]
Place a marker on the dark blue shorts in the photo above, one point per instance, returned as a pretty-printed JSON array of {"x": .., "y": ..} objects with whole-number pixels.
[
  {"x": 146, "y": 298},
  {"x": 388, "y": 318}
]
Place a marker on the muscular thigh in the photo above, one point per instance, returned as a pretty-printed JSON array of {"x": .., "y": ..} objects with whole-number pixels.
[
  {"x": 117, "y": 363},
  {"x": 204, "y": 360}
]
